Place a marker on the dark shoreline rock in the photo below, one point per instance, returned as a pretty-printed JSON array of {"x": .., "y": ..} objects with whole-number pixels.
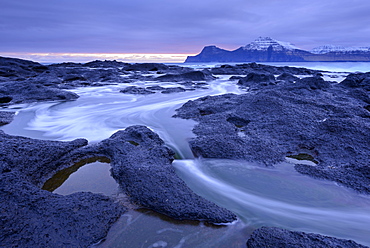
[
  {"x": 25, "y": 92},
  {"x": 141, "y": 164},
  {"x": 244, "y": 69},
  {"x": 204, "y": 75},
  {"x": 312, "y": 117},
  {"x": 281, "y": 238},
  {"x": 136, "y": 91},
  {"x": 6, "y": 117},
  {"x": 32, "y": 217}
]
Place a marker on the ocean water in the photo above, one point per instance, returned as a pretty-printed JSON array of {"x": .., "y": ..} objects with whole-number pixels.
[
  {"x": 259, "y": 196},
  {"x": 349, "y": 67}
]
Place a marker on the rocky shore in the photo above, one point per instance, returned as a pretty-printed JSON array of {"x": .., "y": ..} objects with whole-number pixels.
[
  {"x": 281, "y": 116},
  {"x": 311, "y": 119}
]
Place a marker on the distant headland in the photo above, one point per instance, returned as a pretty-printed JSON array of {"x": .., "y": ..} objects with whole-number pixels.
[{"x": 266, "y": 49}]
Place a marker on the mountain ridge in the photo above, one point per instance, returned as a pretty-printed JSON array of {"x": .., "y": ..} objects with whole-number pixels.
[{"x": 266, "y": 49}]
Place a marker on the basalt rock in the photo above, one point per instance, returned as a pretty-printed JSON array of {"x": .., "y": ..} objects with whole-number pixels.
[
  {"x": 173, "y": 90},
  {"x": 141, "y": 164},
  {"x": 357, "y": 80},
  {"x": 136, "y": 90},
  {"x": 31, "y": 217},
  {"x": 312, "y": 83},
  {"x": 244, "y": 69},
  {"x": 12, "y": 69},
  {"x": 312, "y": 117},
  {"x": 6, "y": 117},
  {"x": 24, "y": 92},
  {"x": 257, "y": 79},
  {"x": 281, "y": 238},
  {"x": 204, "y": 75},
  {"x": 287, "y": 77}
]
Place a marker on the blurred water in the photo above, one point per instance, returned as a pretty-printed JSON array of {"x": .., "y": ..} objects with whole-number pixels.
[{"x": 259, "y": 196}]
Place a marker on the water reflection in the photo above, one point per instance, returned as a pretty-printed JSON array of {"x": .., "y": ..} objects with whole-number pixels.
[
  {"x": 89, "y": 175},
  {"x": 145, "y": 228},
  {"x": 280, "y": 197}
]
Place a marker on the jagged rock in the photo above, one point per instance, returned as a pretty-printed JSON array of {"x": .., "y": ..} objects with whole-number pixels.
[
  {"x": 32, "y": 217},
  {"x": 357, "y": 80},
  {"x": 24, "y": 91},
  {"x": 6, "y": 117},
  {"x": 106, "y": 64},
  {"x": 173, "y": 90},
  {"x": 141, "y": 163},
  {"x": 313, "y": 117},
  {"x": 281, "y": 238},
  {"x": 136, "y": 90},
  {"x": 145, "y": 67},
  {"x": 257, "y": 79},
  {"x": 204, "y": 75},
  {"x": 36, "y": 159},
  {"x": 156, "y": 88},
  {"x": 12, "y": 69},
  {"x": 312, "y": 83},
  {"x": 244, "y": 69},
  {"x": 287, "y": 77}
]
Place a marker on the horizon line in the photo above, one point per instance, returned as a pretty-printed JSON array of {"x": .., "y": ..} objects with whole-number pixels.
[{"x": 44, "y": 57}]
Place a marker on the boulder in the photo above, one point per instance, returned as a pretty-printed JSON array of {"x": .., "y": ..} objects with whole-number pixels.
[
  {"x": 357, "y": 80},
  {"x": 141, "y": 164},
  {"x": 244, "y": 69},
  {"x": 173, "y": 90},
  {"x": 281, "y": 238},
  {"x": 27, "y": 91},
  {"x": 6, "y": 117},
  {"x": 136, "y": 91},
  {"x": 18, "y": 69},
  {"x": 287, "y": 77},
  {"x": 32, "y": 217},
  {"x": 204, "y": 75},
  {"x": 257, "y": 79},
  {"x": 312, "y": 83}
]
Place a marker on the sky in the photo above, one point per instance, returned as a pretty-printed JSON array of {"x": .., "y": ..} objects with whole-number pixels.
[{"x": 175, "y": 27}]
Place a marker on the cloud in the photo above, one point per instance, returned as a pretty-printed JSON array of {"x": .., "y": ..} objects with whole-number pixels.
[{"x": 167, "y": 26}]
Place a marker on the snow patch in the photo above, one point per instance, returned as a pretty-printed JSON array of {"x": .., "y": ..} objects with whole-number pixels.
[
  {"x": 263, "y": 43},
  {"x": 332, "y": 48}
]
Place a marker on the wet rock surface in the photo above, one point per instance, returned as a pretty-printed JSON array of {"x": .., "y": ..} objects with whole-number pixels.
[
  {"x": 281, "y": 238},
  {"x": 173, "y": 90},
  {"x": 312, "y": 117},
  {"x": 136, "y": 91},
  {"x": 260, "y": 79},
  {"x": 25, "y": 92},
  {"x": 244, "y": 69},
  {"x": 31, "y": 217},
  {"x": 141, "y": 164},
  {"x": 204, "y": 75},
  {"x": 6, "y": 117}
]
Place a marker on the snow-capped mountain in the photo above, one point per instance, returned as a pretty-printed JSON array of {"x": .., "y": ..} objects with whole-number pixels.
[
  {"x": 266, "y": 49},
  {"x": 341, "y": 49},
  {"x": 263, "y": 43}
]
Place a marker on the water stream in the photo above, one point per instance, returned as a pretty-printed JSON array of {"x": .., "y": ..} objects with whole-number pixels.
[{"x": 259, "y": 196}]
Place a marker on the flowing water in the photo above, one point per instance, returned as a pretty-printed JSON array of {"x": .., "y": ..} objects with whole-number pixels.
[{"x": 260, "y": 196}]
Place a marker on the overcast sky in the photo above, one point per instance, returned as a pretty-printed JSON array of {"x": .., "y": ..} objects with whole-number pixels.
[{"x": 177, "y": 26}]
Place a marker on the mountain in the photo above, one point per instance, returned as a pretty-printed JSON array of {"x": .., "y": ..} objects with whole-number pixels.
[
  {"x": 338, "y": 49},
  {"x": 266, "y": 49}
]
